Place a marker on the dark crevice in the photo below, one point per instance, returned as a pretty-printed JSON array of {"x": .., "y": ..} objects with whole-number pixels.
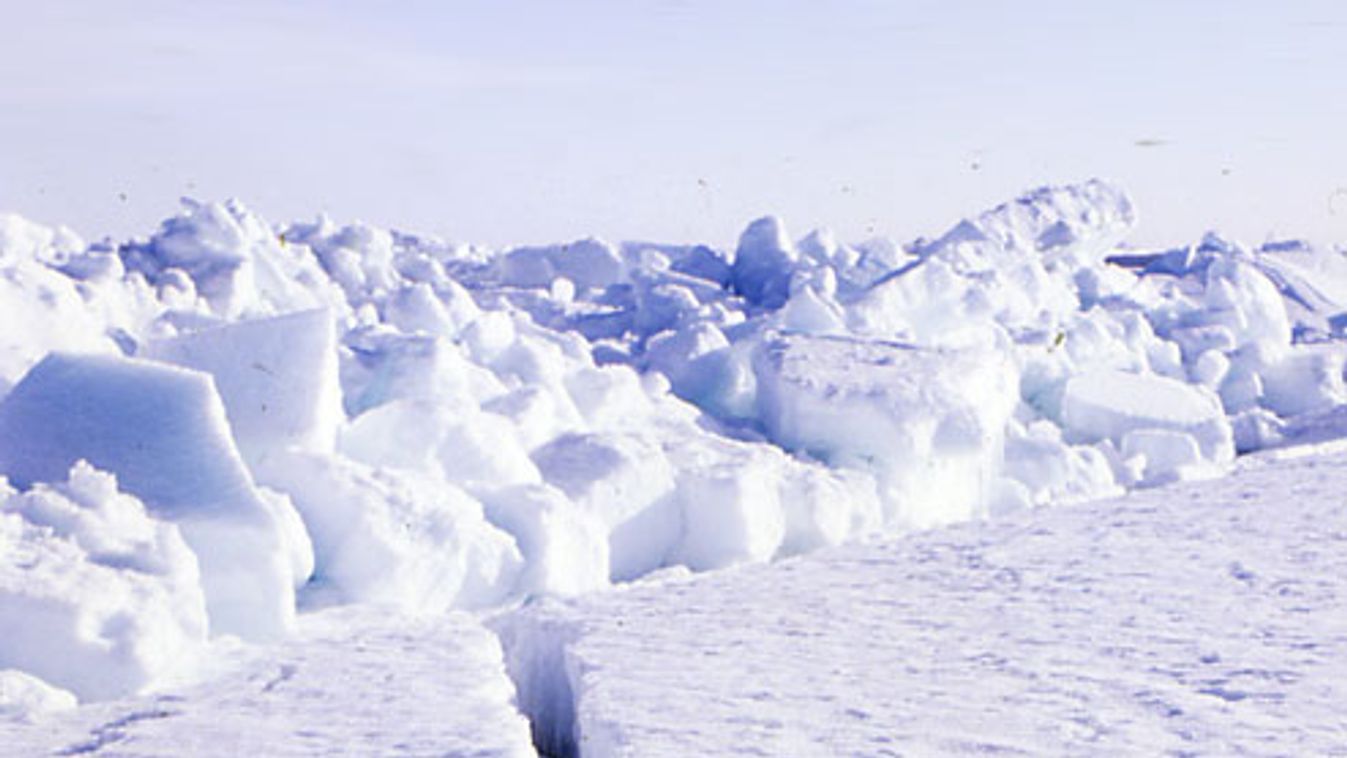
[{"x": 536, "y": 660}]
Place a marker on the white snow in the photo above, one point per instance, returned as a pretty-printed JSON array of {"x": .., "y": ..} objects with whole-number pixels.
[
  {"x": 763, "y": 263},
  {"x": 25, "y": 697},
  {"x": 41, "y": 308},
  {"x": 1199, "y": 619},
  {"x": 395, "y": 537},
  {"x": 1131, "y": 410},
  {"x": 276, "y": 419},
  {"x": 277, "y": 377},
  {"x": 731, "y": 510},
  {"x": 351, "y": 681},
  {"x": 232, "y": 261},
  {"x": 162, "y": 431},
  {"x": 928, "y": 422},
  {"x": 565, "y": 549},
  {"x": 1305, "y": 382},
  {"x": 96, "y": 596},
  {"x": 626, "y": 484}
]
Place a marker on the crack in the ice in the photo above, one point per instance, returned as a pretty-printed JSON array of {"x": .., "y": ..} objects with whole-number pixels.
[{"x": 536, "y": 661}]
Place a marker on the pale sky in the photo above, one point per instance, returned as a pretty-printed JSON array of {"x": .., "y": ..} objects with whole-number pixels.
[{"x": 680, "y": 120}]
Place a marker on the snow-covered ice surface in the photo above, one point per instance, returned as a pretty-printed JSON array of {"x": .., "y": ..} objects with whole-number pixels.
[
  {"x": 349, "y": 682},
  {"x": 1199, "y": 619}
]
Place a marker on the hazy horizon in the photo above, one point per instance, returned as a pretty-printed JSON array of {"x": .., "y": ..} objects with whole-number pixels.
[{"x": 675, "y": 121}]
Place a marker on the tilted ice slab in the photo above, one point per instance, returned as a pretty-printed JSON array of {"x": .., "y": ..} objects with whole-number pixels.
[
  {"x": 380, "y": 535},
  {"x": 354, "y": 681},
  {"x": 1203, "y": 618},
  {"x": 162, "y": 431},
  {"x": 277, "y": 377}
]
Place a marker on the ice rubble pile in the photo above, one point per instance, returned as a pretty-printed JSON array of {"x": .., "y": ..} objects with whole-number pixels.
[{"x": 205, "y": 429}]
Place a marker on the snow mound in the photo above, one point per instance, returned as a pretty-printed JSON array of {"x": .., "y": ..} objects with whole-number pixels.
[
  {"x": 41, "y": 308},
  {"x": 162, "y": 431},
  {"x": 229, "y": 261},
  {"x": 587, "y": 263},
  {"x": 763, "y": 263},
  {"x": 26, "y": 698},
  {"x": 929, "y": 423},
  {"x": 392, "y": 537},
  {"x": 96, "y": 596},
  {"x": 1172, "y": 426},
  {"x": 1083, "y": 222}
]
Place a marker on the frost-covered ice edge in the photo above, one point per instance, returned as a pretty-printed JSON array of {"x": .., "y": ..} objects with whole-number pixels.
[{"x": 208, "y": 429}]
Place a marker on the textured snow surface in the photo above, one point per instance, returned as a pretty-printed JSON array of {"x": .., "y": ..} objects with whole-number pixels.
[
  {"x": 1198, "y": 619},
  {"x": 227, "y": 424},
  {"x": 96, "y": 596},
  {"x": 350, "y": 682}
]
